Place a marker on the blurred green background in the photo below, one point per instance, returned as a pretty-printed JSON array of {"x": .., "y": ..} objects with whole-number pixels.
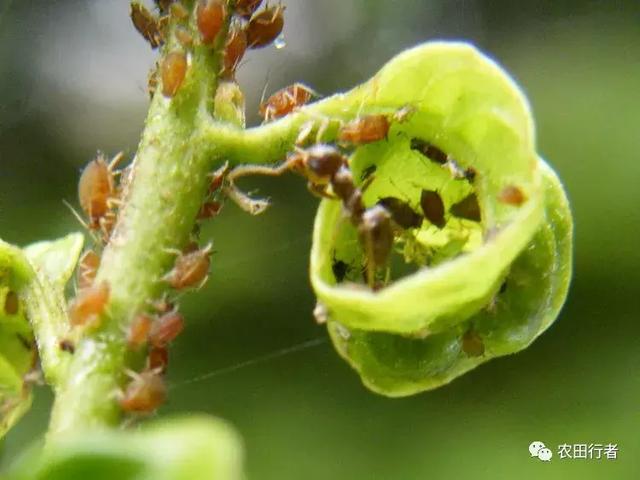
[{"x": 72, "y": 80}]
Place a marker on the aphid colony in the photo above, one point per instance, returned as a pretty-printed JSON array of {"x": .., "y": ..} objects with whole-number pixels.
[
  {"x": 99, "y": 197},
  {"x": 248, "y": 28}
]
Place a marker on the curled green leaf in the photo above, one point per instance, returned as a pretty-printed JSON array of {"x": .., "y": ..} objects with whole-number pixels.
[
  {"x": 487, "y": 268},
  {"x": 191, "y": 448}
]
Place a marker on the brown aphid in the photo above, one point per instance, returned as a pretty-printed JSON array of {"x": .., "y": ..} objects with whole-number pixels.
[
  {"x": 210, "y": 17},
  {"x": 96, "y": 187},
  {"x": 401, "y": 212},
  {"x": 209, "y": 210},
  {"x": 158, "y": 359},
  {"x": 178, "y": 11},
  {"x": 234, "y": 49},
  {"x": 217, "y": 178},
  {"x": 190, "y": 269},
  {"x": 376, "y": 237},
  {"x": 284, "y": 101},
  {"x": 152, "y": 80},
  {"x": 512, "y": 195},
  {"x": 265, "y": 27},
  {"x": 472, "y": 344},
  {"x": 67, "y": 345},
  {"x": 184, "y": 37},
  {"x": 87, "y": 268},
  {"x": 163, "y": 5},
  {"x": 429, "y": 150},
  {"x": 173, "y": 71},
  {"x": 166, "y": 328},
  {"x": 467, "y": 208},
  {"x": 246, "y": 8},
  {"x": 147, "y": 24},
  {"x": 11, "y": 303},
  {"x": 433, "y": 207},
  {"x": 144, "y": 394},
  {"x": 139, "y": 331},
  {"x": 363, "y": 130},
  {"x": 89, "y": 304}
]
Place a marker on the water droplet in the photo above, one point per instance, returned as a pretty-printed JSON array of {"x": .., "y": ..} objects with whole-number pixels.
[{"x": 280, "y": 42}]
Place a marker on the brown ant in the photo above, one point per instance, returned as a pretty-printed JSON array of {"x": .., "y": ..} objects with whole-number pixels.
[
  {"x": 286, "y": 100},
  {"x": 210, "y": 17},
  {"x": 147, "y": 24},
  {"x": 467, "y": 208},
  {"x": 265, "y": 27},
  {"x": 89, "y": 304},
  {"x": 512, "y": 195},
  {"x": 173, "y": 71},
  {"x": 144, "y": 394},
  {"x": 432, "y": 207}
]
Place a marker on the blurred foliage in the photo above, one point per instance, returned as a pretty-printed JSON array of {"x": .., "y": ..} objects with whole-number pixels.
[{"x": 306, "y": 414}]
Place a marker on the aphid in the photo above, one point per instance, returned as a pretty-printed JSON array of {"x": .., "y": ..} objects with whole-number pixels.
[
  {"x": 166, "y": 328},
  {"x": 158, "y": 359},
  {"x": 210, "y": 17},
  {"x": 246, "y": 8},
  {"x": 139, "y": 331},
  {"x": 87, "y": 268},
  {"x": 340, "y": 269},
  {"x": 512, "y": 195},
  {"x": 190, "y": 269},
  {"x": 284, "y": 101},
  {"x": 177, "y": 11},
  {"x": 472, "y": 344},
  {"x": 147, "y": 24},
  {"x": 184, "y": 37},
  {"x": 429, "y": 150},
  {"x": 209, "y": 210},
  {"x": 163, "y": 5},
  {"x": 265, "y": 27},
  {"x": 367, "y": 172},
  {"x": 11, "y": 303},
  {"x": 376, "y": 238},
  {"x": 467, "y": 208},
  {"x": 401, "y": 212},
  {"x": 152, "y": 80},
  {"x": 144, "y": 394},
  {"x": 367, "y": 129},
  {"x": 96, "y": 189},
  {"x": 234, "y": 49},
  {"x": 173, "y": 71},
  {"x": 432, "y": 207},
  {"x": 217, "y": 178},
  {"x": 67, "y": 345},
  {"x": 89, "y": 304},
  {"x": 320, "y": 313}
]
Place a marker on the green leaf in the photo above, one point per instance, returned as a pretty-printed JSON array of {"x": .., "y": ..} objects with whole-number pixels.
[
  {"x": 53, "y": 262},
  {"x": 17, "y": 348},
  {"x": 190, "y": 448},
  {"x": 32, "y": 285},
  {"x": 444, "y": 282}
]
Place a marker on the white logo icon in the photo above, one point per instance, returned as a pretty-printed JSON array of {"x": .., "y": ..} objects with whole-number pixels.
[{"x": 538, "y": 449}]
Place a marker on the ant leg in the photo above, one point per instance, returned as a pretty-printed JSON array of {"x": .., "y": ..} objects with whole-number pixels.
[{"x": 320, "y": 191}]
